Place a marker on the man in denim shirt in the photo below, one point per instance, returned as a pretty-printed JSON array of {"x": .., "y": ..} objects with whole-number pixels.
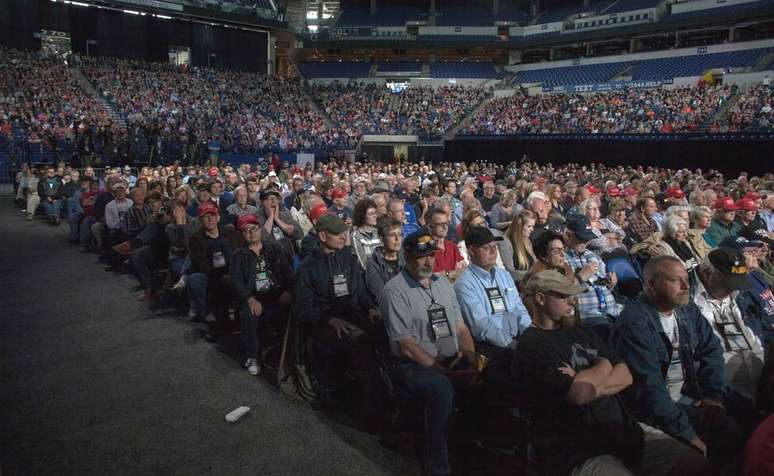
[
  {"x": 488, "y": 297},
  {"x": 677, "y": 363},
  {"x": 596, "y": 305}
]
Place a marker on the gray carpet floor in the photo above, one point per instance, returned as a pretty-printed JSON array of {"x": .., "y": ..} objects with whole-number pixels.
[{"x": 92, "y": 382}]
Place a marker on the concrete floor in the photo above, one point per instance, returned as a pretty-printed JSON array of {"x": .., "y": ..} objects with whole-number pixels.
[{"x": 92, "y": 382}]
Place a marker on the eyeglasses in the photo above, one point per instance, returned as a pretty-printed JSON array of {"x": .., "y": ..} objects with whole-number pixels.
[
  {"x": 555, "y": 251},
  {"x": 490, "y": 247},
  {"x": 441, "y": 225},
  {"x": 249, "y": 229}
]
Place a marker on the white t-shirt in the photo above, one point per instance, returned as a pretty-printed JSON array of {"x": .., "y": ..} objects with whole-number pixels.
[
  {"x": 674, "y": 377},
  {"x": 742, "y": 349}
]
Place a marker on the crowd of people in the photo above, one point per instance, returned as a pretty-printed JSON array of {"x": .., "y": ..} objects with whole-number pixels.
[
  {"x": 417, "y": 110},
  {"x": 634, "y": 111},
  {"x": 244, "y": 112},
  {"x": 40, "y": 97},
  {"x": 626, "y": 312},
  {"x": 752, "y": 111},
  {"x": 168, "y": 112}
]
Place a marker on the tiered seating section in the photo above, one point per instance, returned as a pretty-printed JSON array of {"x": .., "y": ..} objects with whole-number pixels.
[
  {"x": 650, "y": 111},
  {"x": 643, "y": 70},
  {"x": 423, "y": 111}
]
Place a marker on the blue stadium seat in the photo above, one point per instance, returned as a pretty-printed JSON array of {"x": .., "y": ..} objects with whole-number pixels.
[
  {"x": 582, "y": 74},
  {"x": 463, "y": 70},
  {"x": 399, "y": 67},
  {"x": 335, "y": 70}
]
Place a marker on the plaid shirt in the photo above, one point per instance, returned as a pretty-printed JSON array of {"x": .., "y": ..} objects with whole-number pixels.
[
  {"x": 641, "y": 226},
  {"x": 136, "y": 219},
  {"x": 597, "y": 301}
]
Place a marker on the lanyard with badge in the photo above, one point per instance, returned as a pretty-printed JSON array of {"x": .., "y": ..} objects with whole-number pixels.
[
  {"x": 495, "y": 296},
  {"x": 218, "y": 259},
  {"x": 263, "y": 280},
  {"x": 277, "y": 233},
  {"x": 436, "y": 315}
]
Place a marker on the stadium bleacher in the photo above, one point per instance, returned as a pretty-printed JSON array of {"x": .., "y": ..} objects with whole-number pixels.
[
  {"x": 582, "y": 74},
  {"x": 335, "y": 70},
  {"x": 643, "y": 70},
  {"x": 694, "y": 65},
  {"x": 463, "y": 70},
  {"x": 399, "y": 67}
]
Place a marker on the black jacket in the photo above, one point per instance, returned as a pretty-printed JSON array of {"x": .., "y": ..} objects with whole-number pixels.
[
  {"x": 314, "y": 298},
  {"x": 242, "y": 269},
  {"x": 197, "y": 246}
]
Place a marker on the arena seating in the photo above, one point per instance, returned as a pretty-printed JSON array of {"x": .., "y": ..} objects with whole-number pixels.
[
  {"x": 335, "y": 70},
  {"x": 582, "y": 74},
  {"x": 399, "y": 67},
  {"x": 659, "y": 111},
  {"x": 643, "y": 70},
  {"x": 694, "y": 65},
  {"x": 463, "y": 70}
]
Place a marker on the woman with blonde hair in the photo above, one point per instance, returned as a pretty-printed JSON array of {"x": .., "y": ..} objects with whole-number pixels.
[{"x": 516, "y": 249}]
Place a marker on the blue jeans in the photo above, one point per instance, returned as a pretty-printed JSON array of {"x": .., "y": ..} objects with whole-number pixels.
[
  {"x": 143, "y": 263},
  {"x": 251, "y": 326},
  {"x": 197, "y": 293},
  {"x": 84, "y": 230},
  {"x": 178, "y": 266},
  {"x": 435, "y": 393},
  {"x": 74, "y": 220},
  {"x": 52, "y": 209}
]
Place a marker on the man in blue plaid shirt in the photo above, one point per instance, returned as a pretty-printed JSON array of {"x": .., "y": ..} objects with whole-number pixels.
[{"x": 597, "y": 305}]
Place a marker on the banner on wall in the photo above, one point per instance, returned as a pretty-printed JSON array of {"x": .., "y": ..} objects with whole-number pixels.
[{"x": 601, "y": 87}]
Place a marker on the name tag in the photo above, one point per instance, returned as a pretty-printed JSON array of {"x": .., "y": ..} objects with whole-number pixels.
[
  {"x": 340, "y": 285},
  {"x": 277, "y": 233},
  {"x": 218, "y": 260},
  {"x": 496, "y": 300},
  {"x": 439, "y": 323}
]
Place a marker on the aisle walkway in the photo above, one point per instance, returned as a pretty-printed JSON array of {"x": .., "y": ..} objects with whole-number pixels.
[{"x": 91, "y": 382}]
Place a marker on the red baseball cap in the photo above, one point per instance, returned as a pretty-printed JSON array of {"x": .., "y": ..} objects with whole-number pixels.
[
  {"x": 592, "y": 189},
  {"x": 213, "y": 172},
  {"x": 318, "y": 211},
  {"x": 752, "y": 196},
  {"x": 630, "y": 192},
  {"x": 338, "y": 193},
  {"x": 245, "y": 220},
  {"x": 746, "y": 204},
  {"x": 208, "y": 207},
  {"x": 725, "y": 203},
  {"x": 614, "y": 191},
  {"x": 675, "y": 192}
]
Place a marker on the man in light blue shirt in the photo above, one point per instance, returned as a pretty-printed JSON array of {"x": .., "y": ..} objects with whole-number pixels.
[{"x": 488, "y": 298}]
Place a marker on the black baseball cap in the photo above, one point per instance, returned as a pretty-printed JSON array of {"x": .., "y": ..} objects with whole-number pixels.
[
  {"x": 268, "y": 193},
  {"x": 740, "y": 243},
  {"x": 757, "y": 231},
  {"x": 480, "y": 236},
  {"x": 580, "y": 225},
  {"x": 420, "y": 243},
  {"x": 730, "y": 263}
]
